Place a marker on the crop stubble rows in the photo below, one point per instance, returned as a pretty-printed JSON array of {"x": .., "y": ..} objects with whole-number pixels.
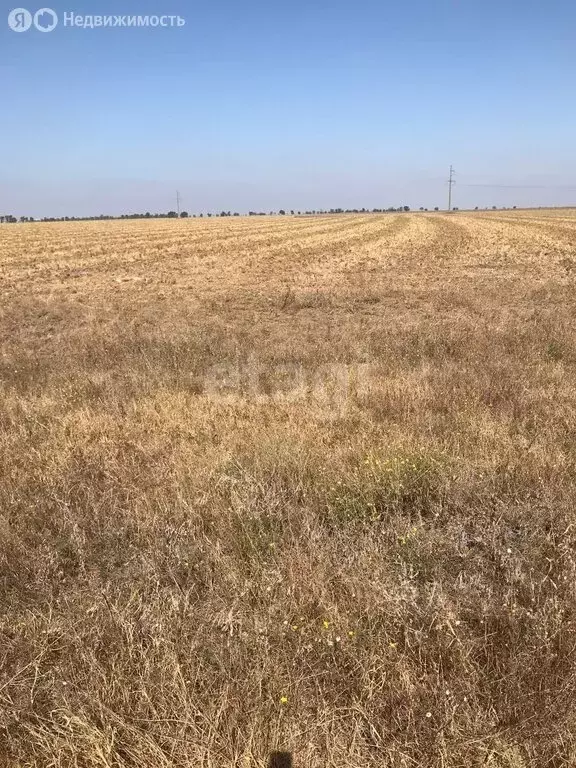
[{"x": 288, "y": 482}]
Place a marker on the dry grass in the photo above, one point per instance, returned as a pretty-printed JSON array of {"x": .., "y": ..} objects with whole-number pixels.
[{"x": 289, "y": 483}]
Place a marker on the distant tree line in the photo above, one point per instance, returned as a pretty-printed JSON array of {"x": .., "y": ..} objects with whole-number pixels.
[{"x": 9, "y": 219}]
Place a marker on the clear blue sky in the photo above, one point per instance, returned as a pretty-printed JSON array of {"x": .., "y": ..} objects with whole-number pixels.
[{"x": 262, "y": 105}]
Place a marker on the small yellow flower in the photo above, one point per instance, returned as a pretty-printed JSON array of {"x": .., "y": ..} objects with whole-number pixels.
[
  {"x": 294, "y": 627},
  {"x": 325, "y": 624},
  {"x": 283, "y": 699},
  {"x": 351, "y": 633},
  {"x": 393, "y": 645}
]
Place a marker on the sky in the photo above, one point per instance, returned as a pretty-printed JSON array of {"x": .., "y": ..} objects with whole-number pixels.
[{"x": 298, "y": 105}]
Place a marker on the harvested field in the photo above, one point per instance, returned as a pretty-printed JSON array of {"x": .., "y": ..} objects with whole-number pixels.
[{"x": 301, "y": 483}]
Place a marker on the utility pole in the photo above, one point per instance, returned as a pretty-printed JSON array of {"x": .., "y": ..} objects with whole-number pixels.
[
  {"x": 178, "y": 203},
  {"x": 450, "y": 183}
]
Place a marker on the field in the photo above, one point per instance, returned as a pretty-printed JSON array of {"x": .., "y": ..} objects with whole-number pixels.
[{"x": 302, "y": 483}]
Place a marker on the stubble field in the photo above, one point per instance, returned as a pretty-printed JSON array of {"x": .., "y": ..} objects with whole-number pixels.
[{"x": 289, "y": 483}]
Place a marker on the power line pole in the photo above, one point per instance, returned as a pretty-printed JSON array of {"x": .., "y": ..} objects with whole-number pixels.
[
  {"x": 450, "y": 183},
  {"x": 178, "y": 203}
]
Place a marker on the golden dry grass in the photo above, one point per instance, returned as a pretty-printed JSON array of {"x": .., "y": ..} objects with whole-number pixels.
[{"x": 304, "y": 483}]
